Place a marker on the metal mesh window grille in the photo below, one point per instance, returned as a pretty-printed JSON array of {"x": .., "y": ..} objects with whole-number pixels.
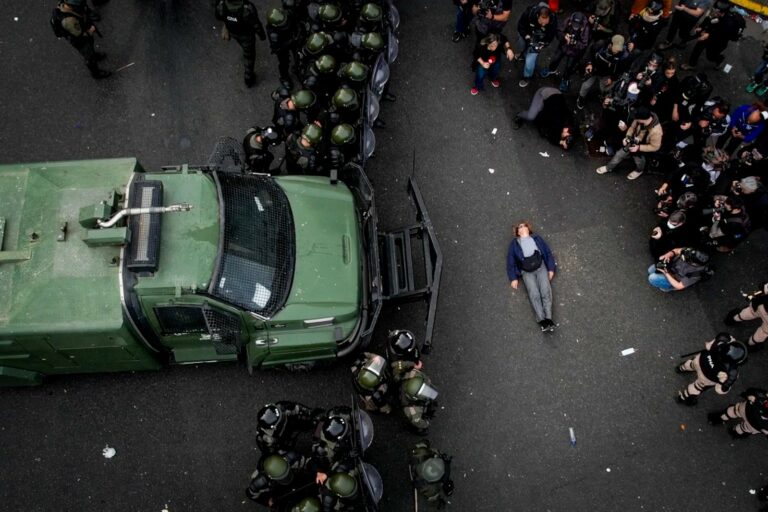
[
  {"x": 258, "y": 253},
  {"x": 181, "y": 320},
  {"x": 224, "y": 330}
]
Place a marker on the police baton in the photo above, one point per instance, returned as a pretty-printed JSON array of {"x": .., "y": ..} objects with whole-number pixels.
[
  {"x": 415, "y": 492},
  {"x": 691, "y": 354},
  {"x": 97, "y": 31}
]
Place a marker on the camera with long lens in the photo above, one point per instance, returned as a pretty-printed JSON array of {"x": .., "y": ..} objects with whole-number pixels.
[
  {"x": 486, "y": 5},
  {"x": 633, "y": 141},
  {"x": 662, "y": 265}
]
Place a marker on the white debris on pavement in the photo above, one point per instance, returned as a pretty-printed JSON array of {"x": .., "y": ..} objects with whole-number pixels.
[
  {"x": 627, "y": 351},
  {"x": 544, "y": 154},
  {"x": 607, "y": 470},
  {"x": 727, "y": 68},
  {"x": 752, "y": 491},
  {"x": 493, "y": 132},
  {"x": 491, "y": 170},
  {"x": 108, "y": 452}
]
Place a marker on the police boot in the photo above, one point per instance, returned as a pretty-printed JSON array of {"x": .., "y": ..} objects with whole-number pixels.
[
  {"x": 97, "y": 72},
  {"x": 737, "y": 435},
  {"x": 250, "y": 78},
  {"x": 754, "y": 347},
  {"x": 683, "y": 397},
  {"x": 716, "y": 418},
  {"x": 730, "y": 317}
]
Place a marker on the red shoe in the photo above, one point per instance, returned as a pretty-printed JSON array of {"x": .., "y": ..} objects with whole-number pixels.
[
  {"x": 474, "y": 91},
  {"x": 496, "y": 83}
]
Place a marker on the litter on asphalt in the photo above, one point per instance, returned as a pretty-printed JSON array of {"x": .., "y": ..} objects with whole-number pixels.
[{"x": 627, "y": 351}]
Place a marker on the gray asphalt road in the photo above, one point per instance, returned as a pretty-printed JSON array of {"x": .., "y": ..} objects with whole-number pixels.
[{"x": 184, "y": 437}]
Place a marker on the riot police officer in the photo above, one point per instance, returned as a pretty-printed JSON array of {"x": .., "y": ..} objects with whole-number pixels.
[
  {"x": 317, "y": 43},
  {"x": 342, "y": 149},
  {"x": 355, "y": 75},
  {"x": 292, "y": 111},
  {"x": 366, "y": 47},
  {"x": 301, "y": 153},
  {"x": 241, "y": 21},
  {"x": 284, "y": 34},
  {"x": 431, "y": 473},
  {"x": 341, "y": 489},
  {"x": 752, "y": 411},
  {"x": 716, "y": 367},
  {"x": 321, "y": 77},
  {"x": 757, "y": 309},
  {"x": 277, "y": 475},
  {"x": 370, "y": 379},
  {"x": 418, "y": 397},
  {"x": 310, "y": 504},
  {"x": 280, "y": 423},
  {"x": 73, "y": 20},
  {"x": 402, "y": 346},
  {"x": 370, "y": 18},
  {"x": 256, "y": 145},
  {"x": 333, "y": 438}
]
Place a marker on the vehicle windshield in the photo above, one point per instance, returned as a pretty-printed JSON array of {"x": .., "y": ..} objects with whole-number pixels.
[{"x": 258, "y": 249}]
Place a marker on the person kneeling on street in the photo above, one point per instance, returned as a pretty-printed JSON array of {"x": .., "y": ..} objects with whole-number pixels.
[
  {"x": 551, "y": 115},
  {"x": 679, "y": 269},
  {"x": 530, "y": 258},
  {"x": 643, "y": 137},
  {"x": 486, "y": 60}
]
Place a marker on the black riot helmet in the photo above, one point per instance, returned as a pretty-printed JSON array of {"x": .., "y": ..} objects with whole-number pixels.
[
  {"x": 723, "y": 337},
  {"x": 277, "y": 17},
  {"x": 271, "y": 418},
  {"x": 335, "y": 428},
  {"x": 402, "y": 344},
  {"x": 721, "y": 6},
  {"x": 736, "y": 352},
  {"x": 281, "y": 93}
]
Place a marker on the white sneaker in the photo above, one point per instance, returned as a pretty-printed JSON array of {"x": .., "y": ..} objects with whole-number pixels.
[
  {"x": 634, "y": 174},
  {"x": 602, "y": 169}
]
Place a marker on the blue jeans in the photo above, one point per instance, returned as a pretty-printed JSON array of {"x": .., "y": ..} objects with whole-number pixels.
[
  {"x": 760, "y": 71},
  {"x": 463, "y": 18},
  {"x": 492, "y": 72},
  {"x": 530, "y": 56},
  {"x": 659, "y": 280}
]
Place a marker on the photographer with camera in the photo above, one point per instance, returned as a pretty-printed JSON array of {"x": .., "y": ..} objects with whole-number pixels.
[
  {"x": 644, "y": 136},
  {"x": 714, "y": 33},
  {"x": 672, "y": 232},
  {"x": 464, "y": 17},
  {"x": 644, "y": 27},
  {"x": 686, "y": 15},
  {"x": 747, "y": 122},
  {"x": 536, "y": 29},
  {"x": 552, "y": 117},
  {"x": 605, "y": 63},
  {"x": 574, "y": 39},
  {"x": 491, "y": 16},
  {"x": 679, "y": 269},
  {"x": 730, "y": 224}
]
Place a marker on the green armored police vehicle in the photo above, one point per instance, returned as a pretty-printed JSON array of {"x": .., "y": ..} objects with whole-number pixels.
[{"x": 107, "y": 267}]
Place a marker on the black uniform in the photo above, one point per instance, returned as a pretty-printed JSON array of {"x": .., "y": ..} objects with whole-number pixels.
[
  {"x": 268, "y": 491},
  {"x": 284, "y": 42},
  {"x": 296, "y": 418},
  {"x": 242, "y": 22},
  {"x": 299, "y": 158},
  {"x": 75, "y": 24},
  {"x": 720, "y": 30}
]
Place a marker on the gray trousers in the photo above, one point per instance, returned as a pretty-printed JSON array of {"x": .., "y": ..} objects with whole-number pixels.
[
  {"x": 587, "y": 85},
  {"x": 621, "y": 155},
  {"x": 537, "y": 103},
  {"x": 539, "y": 292}
]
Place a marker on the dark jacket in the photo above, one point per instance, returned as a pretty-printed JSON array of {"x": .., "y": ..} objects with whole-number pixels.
[
  {"x": 554, "y": 116},
  {"x": 528, "y": 27},
  {"x": 605, "y": 63},
  {"x": 515, "y": 257}
]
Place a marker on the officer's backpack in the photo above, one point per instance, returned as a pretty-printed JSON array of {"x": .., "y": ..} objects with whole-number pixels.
[{"x": 57, "y": 16}]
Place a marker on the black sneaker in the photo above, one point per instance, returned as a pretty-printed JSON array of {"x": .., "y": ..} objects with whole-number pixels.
[
  {"x": 550, "y": 325},
  {"x": 580, "y": 103},
  {"x": 519, "y": 121},
  {"x": 457, "y": 36},
  {"x": 543, "y": 325},
  {"x": 250, "y": 79},
  {"x": 714, "y": 418}
]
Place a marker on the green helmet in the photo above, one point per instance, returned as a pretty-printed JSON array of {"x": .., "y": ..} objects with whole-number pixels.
[
  {"x": 413, "y": 385},
  {"x": 367, "y": 379},
  {"x": 316, "y": 42},
  {"x": 325, "y": 64},
  {"x": 343, "y": 485},
  {"x": 345, "y": 97},
  {"x": 418, "y": 388},
  {"x": 277, "y": 17},
  {"x": 373, "y": 41},
  {"x": 355, "y": 71},
  {"x": 371, "y": 12},
  {"x": 313, "y": 133},
  {"x": 371, "y": 372},
  {"x": 342, "y": 134},
  {"x": 307, "y": 505},
  {"x": 432, "y": 469},
  {"x": 233, "y": 5},
  {"x": 329, "y": 13},
  {"x": 276, "y": 467},
  {"x": 303, "y": 98}
]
